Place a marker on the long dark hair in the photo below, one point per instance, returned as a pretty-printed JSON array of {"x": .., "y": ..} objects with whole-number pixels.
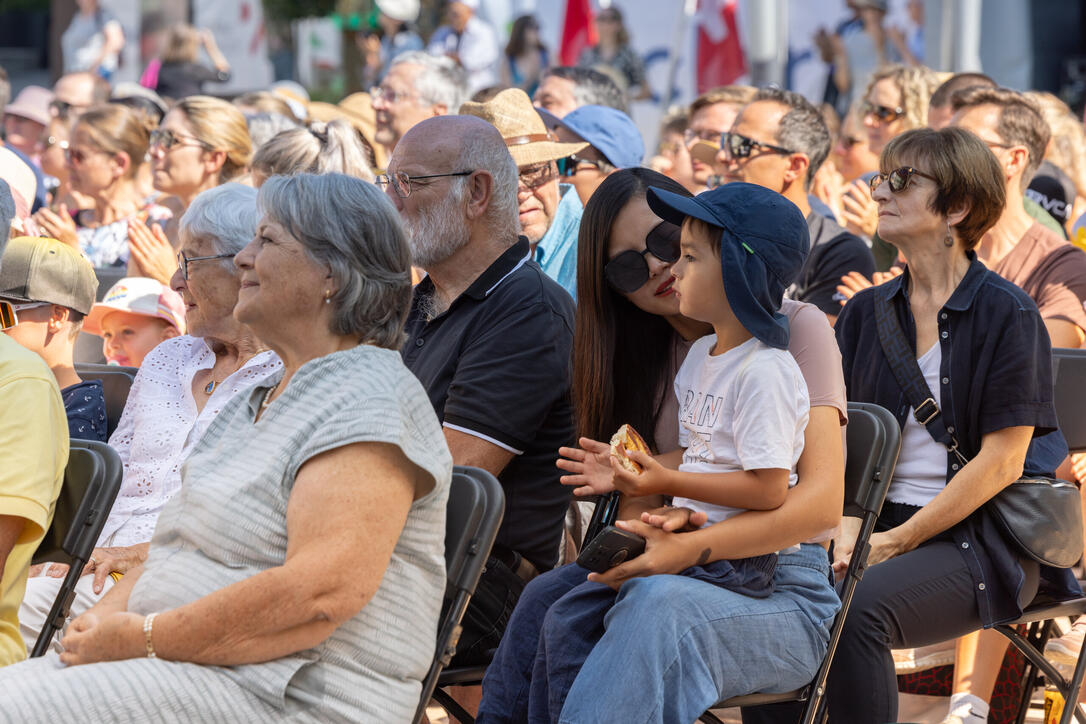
[
  {"x": 621, "y": 354},
  {"x": 516, "y": 46}
]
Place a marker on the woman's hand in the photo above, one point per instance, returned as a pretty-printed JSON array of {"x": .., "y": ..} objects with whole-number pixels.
[
  {"x": 590, "y": 465},
  {"x": 104, "y": 561},
  {"x": 828, "y": 187},
  {"x": 1078, "y": 467},
  {"x": 114, "y": 637},
  {"x": 855, "y": 282},
  {"x": 151, "y": 254},
  {"x": 859, "y": 210},
  {"x": 844, "y": 544},
  {"x": 664, "y": 553},
  {"x": 58, "y": 225},
  {"x": 671, "y": 519},
  {"x": 652, "y": 480},
  {"x": 884, "y": 546}
]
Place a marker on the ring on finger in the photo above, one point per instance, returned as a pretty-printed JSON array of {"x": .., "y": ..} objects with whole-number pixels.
[{"x": 93, "y": 562}]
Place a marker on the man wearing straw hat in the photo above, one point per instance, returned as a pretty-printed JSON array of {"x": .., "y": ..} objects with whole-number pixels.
[{"x": 549, "y": 212}]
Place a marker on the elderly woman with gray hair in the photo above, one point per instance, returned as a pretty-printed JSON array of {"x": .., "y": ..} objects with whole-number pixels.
[
  {"x": 182, "y": 385},
  {"x": 272, "y": 591}
]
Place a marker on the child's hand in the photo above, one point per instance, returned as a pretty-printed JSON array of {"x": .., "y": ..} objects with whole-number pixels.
[
  {"x": 671, "y": 519},
  {"x": 652, "y": 480},
  {"x": 590, "y": 465}
]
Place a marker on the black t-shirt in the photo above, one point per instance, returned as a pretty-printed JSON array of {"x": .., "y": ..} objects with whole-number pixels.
[
  {"x": 181, "y": 80},
  {"x": 497, "y": 365},
  {"x": 834, "y": 253}
]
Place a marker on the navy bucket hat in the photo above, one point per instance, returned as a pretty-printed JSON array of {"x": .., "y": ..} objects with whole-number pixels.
[{"x": 764, "y": 243}]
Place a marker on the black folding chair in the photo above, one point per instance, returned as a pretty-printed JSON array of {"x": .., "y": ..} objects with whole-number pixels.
[
  {"x": 116, "y": 383},
  {"x": 874, "y": 440},
  {"x": 91, "y": 481},
  {"x": 474, "y": 513},
  {"x": 1069, "y": 375}
]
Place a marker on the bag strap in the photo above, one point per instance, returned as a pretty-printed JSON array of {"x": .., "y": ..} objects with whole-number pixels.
[{"x": 909, "y": 376}]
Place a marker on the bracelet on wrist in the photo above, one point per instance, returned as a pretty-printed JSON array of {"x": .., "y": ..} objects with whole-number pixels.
[{"x": 148, "y": 624}]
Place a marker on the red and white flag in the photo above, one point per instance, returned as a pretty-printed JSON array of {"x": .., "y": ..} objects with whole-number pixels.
[
  {"x": 720, "y": 54},
  {"x": 578, "y": 31}
]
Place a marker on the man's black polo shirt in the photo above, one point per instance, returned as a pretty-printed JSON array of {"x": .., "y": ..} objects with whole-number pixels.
[
  {"x": 835, "y": 252},
  {"x": 497, "y": 365}
]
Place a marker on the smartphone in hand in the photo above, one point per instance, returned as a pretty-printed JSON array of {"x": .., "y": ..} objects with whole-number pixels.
[{"x": 608, "y": 549}]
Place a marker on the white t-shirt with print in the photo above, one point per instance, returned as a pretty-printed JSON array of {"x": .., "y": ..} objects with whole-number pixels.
[{"x": 745, "y": 409}]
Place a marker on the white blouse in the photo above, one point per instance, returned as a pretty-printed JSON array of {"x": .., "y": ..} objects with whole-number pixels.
[
  {"x": 920, "y": 474},
  {"x": 160, "y": 425}
]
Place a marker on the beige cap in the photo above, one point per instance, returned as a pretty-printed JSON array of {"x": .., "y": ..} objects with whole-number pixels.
[
  {"x": 525, "y": 134},
  {"x": 34, "y": 269}
]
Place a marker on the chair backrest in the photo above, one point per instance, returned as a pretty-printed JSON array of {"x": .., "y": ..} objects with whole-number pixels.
[
  {"x": 91, "y": 482},
  {"x": 1069, "y": 377},
  {"x": 474, "y": 513},
  {"x": 873, "y": 443},
  {"x": 116, "y": 383},
  {"x": 472, "y": 518}
]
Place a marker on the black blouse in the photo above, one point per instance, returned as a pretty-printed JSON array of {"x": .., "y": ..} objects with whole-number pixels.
[{"x": 996, "y": 372}]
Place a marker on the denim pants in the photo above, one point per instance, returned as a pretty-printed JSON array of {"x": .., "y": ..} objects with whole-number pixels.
[
  {"x": 673, "y": 647},
  {"x": 519, "y": 686}
]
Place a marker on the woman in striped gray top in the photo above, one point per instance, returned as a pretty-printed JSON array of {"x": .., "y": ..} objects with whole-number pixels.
[{"x": 298, "y": 573}]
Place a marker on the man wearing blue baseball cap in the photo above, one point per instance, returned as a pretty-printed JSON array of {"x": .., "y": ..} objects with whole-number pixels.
[{"x": 613, "y": 143}]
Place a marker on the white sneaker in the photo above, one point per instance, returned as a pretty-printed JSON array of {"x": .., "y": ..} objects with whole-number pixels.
[{"x": 1066, "y": 648}]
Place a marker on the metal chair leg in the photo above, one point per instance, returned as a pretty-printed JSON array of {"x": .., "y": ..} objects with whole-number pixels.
[{"x": 454, "y": 709}]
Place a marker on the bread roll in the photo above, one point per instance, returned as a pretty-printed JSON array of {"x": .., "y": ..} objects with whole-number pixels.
[{"x": 622, "y": 442}]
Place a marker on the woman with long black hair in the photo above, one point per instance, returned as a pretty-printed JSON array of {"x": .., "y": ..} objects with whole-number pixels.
[{"x": 629, "y": 342}]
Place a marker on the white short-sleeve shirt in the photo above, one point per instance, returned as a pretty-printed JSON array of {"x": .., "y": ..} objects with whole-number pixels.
[{"x": 745, "y": 409}]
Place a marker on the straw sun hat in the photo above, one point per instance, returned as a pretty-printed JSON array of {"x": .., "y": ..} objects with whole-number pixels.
[{"x": 525, "y": 134}]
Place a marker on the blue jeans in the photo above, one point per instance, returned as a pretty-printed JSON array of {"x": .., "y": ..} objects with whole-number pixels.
[
  {"x": 508, "y": 680},
  {"x": 673, "y": 646}
]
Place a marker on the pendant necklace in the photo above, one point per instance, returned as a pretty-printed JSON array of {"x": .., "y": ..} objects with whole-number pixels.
[{"x": 209, "y": 388}]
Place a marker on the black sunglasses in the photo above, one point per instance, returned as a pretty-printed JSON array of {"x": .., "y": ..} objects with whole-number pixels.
[
  {"x": 898, "y": 178},
  {"x": 883, "y": 113},
  {"x": 738, "y": 146},
  {"x": 628, "y": 271}
]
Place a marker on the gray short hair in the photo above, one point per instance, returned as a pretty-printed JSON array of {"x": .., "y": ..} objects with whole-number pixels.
[
  {"x": 441, "y": 80},
  {"x": 591, "y": 87},
  {"x": 264, "y": 126},
  {"x": 363, "y": 243},
  {"x": 332, "y": 147},
  {"x": 480, "y": 151},
  {"x": 224, "y": 216},
  {"x": 801, "y": 130}
]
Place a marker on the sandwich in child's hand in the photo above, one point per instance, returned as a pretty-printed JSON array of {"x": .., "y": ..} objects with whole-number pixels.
[{"x": 622, "y": 442}]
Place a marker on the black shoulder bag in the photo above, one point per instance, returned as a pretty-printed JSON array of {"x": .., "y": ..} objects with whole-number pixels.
[{"x": 1042, "y": 516}]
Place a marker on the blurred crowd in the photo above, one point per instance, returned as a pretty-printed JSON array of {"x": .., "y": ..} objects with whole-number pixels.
[{"x": 479, "y": 261}]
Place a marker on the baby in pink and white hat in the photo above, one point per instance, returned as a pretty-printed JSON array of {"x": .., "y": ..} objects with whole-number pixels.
[{"x": 135, "y": 315}]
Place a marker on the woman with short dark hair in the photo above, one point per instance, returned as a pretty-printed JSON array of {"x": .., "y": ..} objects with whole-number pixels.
[{"x": 938, "y": 565}]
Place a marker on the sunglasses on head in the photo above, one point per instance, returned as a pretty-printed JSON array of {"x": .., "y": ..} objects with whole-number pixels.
[
  {"x": 627, "y": 272},
  {"x": 738, "y": 146},
  {"x": 9, "y": 312},
  {"x": 898, "y": 179},
  {"x": 883, "y": 113}
]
